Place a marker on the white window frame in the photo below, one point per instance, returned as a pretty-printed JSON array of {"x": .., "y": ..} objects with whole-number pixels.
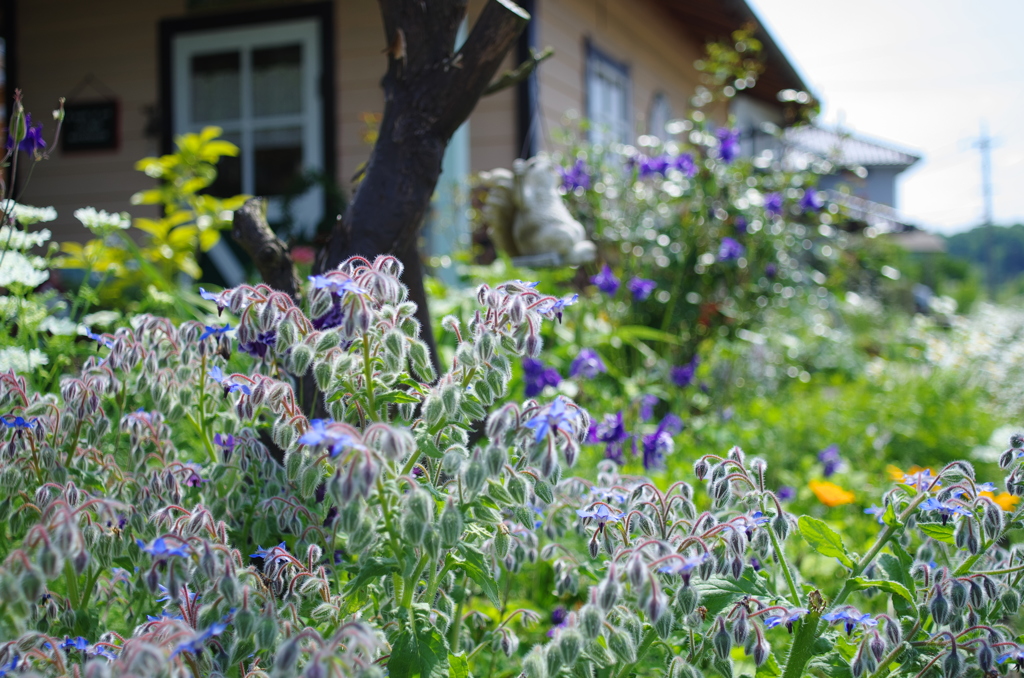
[
  {"x": 308, "y": 208},
  {"x": 606, "y": 74},
  {"x": 659, "y": 116}
]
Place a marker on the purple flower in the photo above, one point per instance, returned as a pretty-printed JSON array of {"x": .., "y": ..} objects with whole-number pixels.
[
  {"x": 257, "y": 348},
  {"x": 773, "y": 204},
  {"x": 160, "y": 548},
  {"x": 78, "y": 643},
  {"x": 319, "y": 434},
  {"x": 741, "y": 225},
  {"x": 684, "y": 163},
  {"x": 877, "y": 511},
  {"x": 194, "y": 479},
  {"x": 606, "y": 281},
  {"x": 100, "y": 339},
  {"x": 279, "y": 552},
  {"x": 787, "y": 618},
  {"x": 684, "y": 566},
  {"x": 785, "y": 493},
  {"x": 33, "y": 142},
  {"x": 830, "y": 459},
  {"x": 641, "y": 288},
  {"x": 599, "y": 512},
  {"x": 536, "y": 375},
  {"x": 946, "y": 509},
  {"x": 553, "y": 308},
  {"x": 218, "y": 298},
  {"x": 728, "y": 144},
  {"x": 851, "y": 617},
  {"x": 337, "y": 286},
  {"x": 811, "y": 202},
  {"x": 12, "y": 421},
  {"x": 647, "y": 403},
  {"x": 226, "y": 441},
  {"x": 730, "y": 250},
  {"x": 552, "y": 419},
  {"x": 586, "y": 364},
  {"x": 612, "y": 432},
  {"x": 576, "y": 176},
  {"x": 651, "y": 166},
  {"x": 682, "y": 375},
  {"x": 213, "y": 331},
  {"x": 659, "y": 443},
  {"x": 228, "y": 382},
  {"x": 770, "y": 271}
]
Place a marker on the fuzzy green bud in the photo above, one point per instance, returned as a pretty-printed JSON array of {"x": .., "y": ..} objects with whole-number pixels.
[
  {"x": 591, "y": 620},
  {"x": 721, "y": 641},
  {"x": 535, "y": 665},
  {"x": 433, "y": 409},
  {"x": 622, "y": 646},
  {"x": 570, "y": 644},
  {"x": 300, "y": 359},
  {"x": 450, "y": 525},
  {"x": 474, "y": 477}
]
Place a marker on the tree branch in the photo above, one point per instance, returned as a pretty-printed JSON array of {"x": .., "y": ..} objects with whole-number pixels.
[
  {"x": 521, "y": 72},
  {"x": 493, "y": 35},
  {"x": 250, "y": 230}
]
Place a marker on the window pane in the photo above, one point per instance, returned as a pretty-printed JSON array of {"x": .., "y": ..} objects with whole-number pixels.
[
  {"x": 276, "y": 80},
  {"x": 229, "y": 171},
  {"x": 278, "y": 159},
  {"x": 216, "y": 80}
]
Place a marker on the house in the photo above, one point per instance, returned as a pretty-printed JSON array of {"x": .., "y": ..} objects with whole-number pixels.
[{"x": 290, "y": 82}]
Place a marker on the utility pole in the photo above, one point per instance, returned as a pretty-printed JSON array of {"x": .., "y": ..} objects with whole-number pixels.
[{"x": 984, "y": 145}]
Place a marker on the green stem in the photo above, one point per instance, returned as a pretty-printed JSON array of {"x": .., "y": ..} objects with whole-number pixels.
[
  {"x": 71, "y": 580},
  {"x": 453, "y": 635},
  {"x": 368, "y": 376},
  {"x": 202, "y": 412},
  {"x": 641, "y": 652},
  {"x": 801, "y": 652},
  {"x": 780, "y": 553},
  {"x": 883, "y": 666},
  {"x": 966, "y": 566},
  {"x": 386, "y": 511}
]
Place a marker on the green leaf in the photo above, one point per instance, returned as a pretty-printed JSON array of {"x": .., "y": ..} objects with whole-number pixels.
[
  {"x": 823, "y": 539},
  {"x": 474, "y": 567},
  {"x": 396, "y": 397},
  {"x": 337, "y": 395},
  {"x": 889, "y": 517},
  {"x": 371, "y": 568},
  {"x": 770, "y": 669},
  {"x": 646, "y": 333},
  {"x": 885, "y": 585},
  {"x": 938, "y": 532},
  {"x": 458, "y": 666},
  {"x": 417, "y": 656},
  {"x": 716, "y": 593}
]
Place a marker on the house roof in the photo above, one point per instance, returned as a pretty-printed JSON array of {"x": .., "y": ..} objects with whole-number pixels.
[
  {"x": 846, "y": 149},
  {"x": 709, "y": 20}
]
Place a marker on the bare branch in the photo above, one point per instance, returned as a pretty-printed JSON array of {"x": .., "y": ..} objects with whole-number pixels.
[
  {"x": 250, "y": 230},
  {"x": 520, "y": 73}
]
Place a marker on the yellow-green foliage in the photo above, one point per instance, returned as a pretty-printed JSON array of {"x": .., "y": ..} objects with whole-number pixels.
[{"x": 191, "y": 223}]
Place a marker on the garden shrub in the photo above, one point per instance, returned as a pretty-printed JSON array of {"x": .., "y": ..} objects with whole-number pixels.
[{"x": 171, "y": 510}]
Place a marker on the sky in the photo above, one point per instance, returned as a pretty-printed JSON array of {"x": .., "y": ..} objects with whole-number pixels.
[{"x": 924, "y": 75}]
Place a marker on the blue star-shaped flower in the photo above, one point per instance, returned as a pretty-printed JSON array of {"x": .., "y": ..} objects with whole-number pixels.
[
  {"x": 209, "y": 331},
  {"x": 600, "y": 513},
  {"x": 161, "y": 549},
  {"x": 551, "y": 419}
]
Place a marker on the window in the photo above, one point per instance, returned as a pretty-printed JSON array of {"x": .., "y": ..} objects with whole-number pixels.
[
  {"x": 609, "y": 99},
  {"x": 661, "y": 113},
  {"x": 260, "y": 84}
]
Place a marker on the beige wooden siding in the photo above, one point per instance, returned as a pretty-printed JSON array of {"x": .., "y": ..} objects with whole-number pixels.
[
  {"x": 59, "y": 44},
  {"x": 657, "y": 50}
]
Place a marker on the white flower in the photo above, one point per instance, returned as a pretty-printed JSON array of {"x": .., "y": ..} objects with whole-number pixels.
[
  {"x": 101, "y": 222},
  {"x": 27, "y": 271},
  {"x": 101, "y": 319},
  {"x": 65, "y": 327},
  {"x": 20, "y": 360},
  {"x": 26, "y": 215},
  {"x": 13, "y": 239}
]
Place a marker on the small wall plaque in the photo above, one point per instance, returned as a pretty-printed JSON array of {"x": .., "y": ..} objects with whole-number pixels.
[{"x": 91, "y": 126}]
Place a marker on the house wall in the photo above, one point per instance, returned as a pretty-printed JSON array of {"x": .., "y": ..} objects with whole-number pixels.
[
  {"x": 657, "y": 50},
  {"x": 116, "y": 41}
]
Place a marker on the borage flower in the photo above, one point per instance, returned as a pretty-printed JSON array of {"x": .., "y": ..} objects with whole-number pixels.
[
  {"x": 600, "y": 513},
  {"x": 553, "y": 308},
  {"x": 811, "y": 201},
  {"x": 682, "y": 375},
  {"x": 228, "y": 382},
  {"x": 320, "y": 433},
  {"x": 612, "y": 432},
  {"x": 161, "y": 549},
  {"x": 575, "y": 177},
  {"x": 209, "y": 331},
  {"x": 830, "y": 459},
  {"x": 587, "y": 364},
  {"x": 946, "y": 509},
  {"x": 728, "y": 144},
  {"x": 12, "y": 421},
  {"x": 773, "y": 204},
  {"x": 78, "y": 643},
  {"x": 227, "y": 442},
  {"x": 278, "y": 553},
  {"x": 684, "y": 565},
  {"x": 851, "y": 618},
  {"x": 552, "y": 419},
  {"x": 787, "y": 618}
]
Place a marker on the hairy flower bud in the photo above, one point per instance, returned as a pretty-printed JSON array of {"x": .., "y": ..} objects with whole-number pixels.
[
  {"x": 701, "y": 468},
  {"x": 957, "y": 594},
  {"x": 609, "y": 592},
  {"x": 451, "y": 525},
  {"x": 570, "y": 644},
  {"x": 622, "y": 646},
  {"x": 939, "y": 606},
  {"x": 474, "y": 477},
  {"x": 721, "y": 641},
  {"x": 686, "y": 600},
  {"x": 741, "y": 628},
  {"x": 535, "y": 664},
  {"x": 1010, "y": 601},
  {"x": 952, "y": 664},
  {"x": 591, "y": 620}
]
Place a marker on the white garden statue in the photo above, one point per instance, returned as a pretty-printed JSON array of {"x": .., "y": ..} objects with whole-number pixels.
[{"x": 528, "y": 218}]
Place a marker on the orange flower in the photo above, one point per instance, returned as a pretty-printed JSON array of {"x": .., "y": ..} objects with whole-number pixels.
[
  {"x": 1005, "y": 500},
  {"x": 830, "y": 494},
  {"x": 896, "y": 474}
]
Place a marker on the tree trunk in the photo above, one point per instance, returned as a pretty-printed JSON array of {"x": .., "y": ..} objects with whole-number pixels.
[{"x": 429, "y": 90}]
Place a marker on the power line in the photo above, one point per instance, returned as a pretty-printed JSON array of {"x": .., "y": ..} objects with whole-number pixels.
[{"x": 984, "y": 145}]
